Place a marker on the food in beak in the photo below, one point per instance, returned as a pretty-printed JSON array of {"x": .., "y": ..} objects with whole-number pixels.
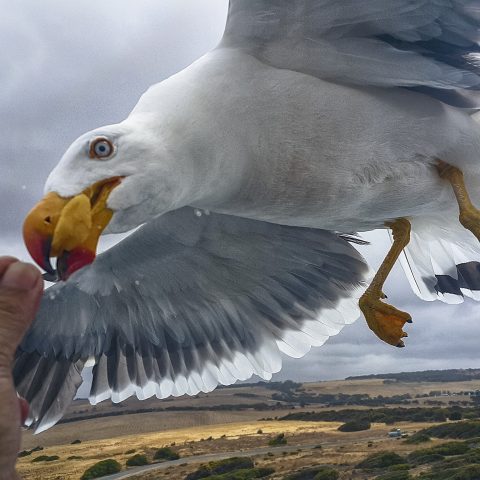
[{"x": 68, "y": 229}]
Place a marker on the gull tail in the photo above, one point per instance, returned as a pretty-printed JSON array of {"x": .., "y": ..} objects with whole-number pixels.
[{"x": 442, "y": 262}]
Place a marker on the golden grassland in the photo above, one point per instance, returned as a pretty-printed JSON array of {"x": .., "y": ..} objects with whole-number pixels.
[
  {"x": 232, "y": 430},
  {"x": 341, "y": 451},
  {"x": 142, "y": 423},
  {"x": 236, "y": 436},
  {"x": 375, "y": 387},
  {"x": 193, "y": 441}
]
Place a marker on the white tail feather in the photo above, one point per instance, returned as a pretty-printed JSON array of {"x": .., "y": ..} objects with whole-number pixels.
[{"x": 442, "y": 263}]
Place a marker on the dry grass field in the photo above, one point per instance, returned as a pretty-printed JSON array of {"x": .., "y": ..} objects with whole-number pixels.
[
  {"x": 206, "y": 431},
  {"x": 375, "y": 387},
  {"x": 225, "y": 438}
]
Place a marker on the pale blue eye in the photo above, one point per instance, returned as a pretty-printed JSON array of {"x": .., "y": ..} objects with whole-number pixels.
[{"x": 101, "y": 148}]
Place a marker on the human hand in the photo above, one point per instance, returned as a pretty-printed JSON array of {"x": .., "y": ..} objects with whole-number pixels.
[{"x": 21, "y": 287}]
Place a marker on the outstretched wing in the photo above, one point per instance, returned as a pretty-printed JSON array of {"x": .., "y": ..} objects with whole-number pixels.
[
  {"x": 428, "y": 45},
  {"x": 184, "y": 303}
]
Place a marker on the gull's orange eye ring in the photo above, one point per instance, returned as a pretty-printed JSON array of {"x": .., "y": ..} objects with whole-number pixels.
[{"x": 101, "y": 148}]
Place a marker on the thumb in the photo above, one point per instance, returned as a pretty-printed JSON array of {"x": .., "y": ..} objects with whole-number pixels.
[{"x": 21, "y": 286}]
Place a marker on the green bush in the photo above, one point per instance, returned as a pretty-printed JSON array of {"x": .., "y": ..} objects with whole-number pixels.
[
  {"x": 451, "y": 448},
  {"x": 456, "y": 415},
  {"x": 46, "y": 458},
  {"x": 165, "y": 454},
  {"x": 137, "y": 460},
  {"x": 398, "y": 467},
  {"x": 245, "y": 474},
  {"x": 221, "y": 467},
  {"x": 400, "y": 475},
  {"x": 354, "y": 426},
  {"x": 100, "y": 469},
  {"x": 74, "y": 457},
  {"x": 438, "y": 452},
  {"x": 278, "y": 440},
  {"x": 314, "y": 473},
  {"x": 26, "y": 453},
  {"x": 470, "y": 472},
  {"x": 425, "y": 458},
  {"x": 460, "y": 430},
  {"x": 417, "y": 438},
  {"x": 381, "y": 460},
  {"x": 76, "y": 442}
]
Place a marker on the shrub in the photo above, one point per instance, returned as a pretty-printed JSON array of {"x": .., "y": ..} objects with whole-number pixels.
[
  {"x": 399, "y": 466},
  {"x": 456, "y": 415},
  {"x": 259, "y": 431},
  {"x": 129, "y": 452},
  {"x": 354, "y": 426},
  {"x": 433, "y": 454},
  {"x": 314, "y": 473},
  {"x": 470, "y": 472},
  {"x": 74, "y": 457},
  {"x": 451, "y": 448},
  {"x": 244, "y": 474},
  {"x": 46, "y": 458},
  {"x": 400, "y": 475},
  {"x": 100, "y": 469},
  {"x": 137, "y": 460},
  {"x": 166, "y": 453},
  {"x": 222, "y": 466},
  {"x": 427, "y": 458},
  {"x": 417, "y": 438},
  {"x": 465, "y": 429},
  {"x": 24, "y": 453},
  {"x": 76, "y": 442},
  {"x": 278, "y": 440},
  {"x": 381, "y": 460}
]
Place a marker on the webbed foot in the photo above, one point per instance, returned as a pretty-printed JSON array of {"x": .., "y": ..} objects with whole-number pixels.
[{"x": 384, "y": 320}]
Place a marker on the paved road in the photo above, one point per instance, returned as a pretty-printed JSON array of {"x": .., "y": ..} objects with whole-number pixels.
[{"x": 220, "y": 456}]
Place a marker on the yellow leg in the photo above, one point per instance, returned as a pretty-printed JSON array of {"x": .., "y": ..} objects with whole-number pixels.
[
  {"x": 383, "y": 319},
  {"x": 469, "y": 215}
]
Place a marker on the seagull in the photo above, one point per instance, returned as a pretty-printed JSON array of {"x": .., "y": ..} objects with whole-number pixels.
[{"x": 247, "y": 177}]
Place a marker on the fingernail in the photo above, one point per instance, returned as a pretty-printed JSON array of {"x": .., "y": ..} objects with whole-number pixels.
[{"x": 20, "y": 276}]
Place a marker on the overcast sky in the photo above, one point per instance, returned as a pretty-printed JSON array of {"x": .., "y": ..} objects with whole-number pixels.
[{"x": 68, "y": 67}]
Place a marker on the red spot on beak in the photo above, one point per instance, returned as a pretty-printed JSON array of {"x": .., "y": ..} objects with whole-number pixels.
[{"x": 70, "y": 262}]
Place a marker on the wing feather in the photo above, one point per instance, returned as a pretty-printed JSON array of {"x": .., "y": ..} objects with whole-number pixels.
[
  {"x": 427, "y": 45},
  {"x": 186, "y": 303}
]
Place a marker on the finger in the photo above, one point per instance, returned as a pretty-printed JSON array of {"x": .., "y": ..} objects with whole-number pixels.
[
  {"x": 20, "y": 291},
  {"x": 4, "y": 263},
  {"x": 19, "y": 276}
]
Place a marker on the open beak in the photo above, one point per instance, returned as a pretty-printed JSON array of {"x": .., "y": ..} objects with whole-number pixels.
[{"x": 68, "y": 229}]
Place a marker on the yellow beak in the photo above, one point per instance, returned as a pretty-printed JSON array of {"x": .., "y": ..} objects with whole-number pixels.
[{"x": 68, "y": 228}]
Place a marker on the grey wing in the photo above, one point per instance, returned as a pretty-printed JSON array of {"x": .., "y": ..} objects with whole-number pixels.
[
  {"x": 428, "y": 45},
  {"x": 186, "y": 303}
]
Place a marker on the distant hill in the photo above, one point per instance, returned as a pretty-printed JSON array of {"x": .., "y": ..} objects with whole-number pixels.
[{"x": 453, "y": 375}]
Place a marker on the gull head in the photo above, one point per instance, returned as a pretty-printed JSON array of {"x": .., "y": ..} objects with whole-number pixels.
[{"x": 110, "y": 180}]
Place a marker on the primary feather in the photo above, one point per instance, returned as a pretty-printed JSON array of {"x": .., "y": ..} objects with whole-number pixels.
[{"x": 185, "y": 303}]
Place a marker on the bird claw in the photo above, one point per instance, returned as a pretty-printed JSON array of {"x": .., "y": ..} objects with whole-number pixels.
[{"x": 384, "y": 320}]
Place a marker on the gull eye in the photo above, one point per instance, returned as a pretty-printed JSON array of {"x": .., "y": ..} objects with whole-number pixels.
[{"x": 101, "y": 148}]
